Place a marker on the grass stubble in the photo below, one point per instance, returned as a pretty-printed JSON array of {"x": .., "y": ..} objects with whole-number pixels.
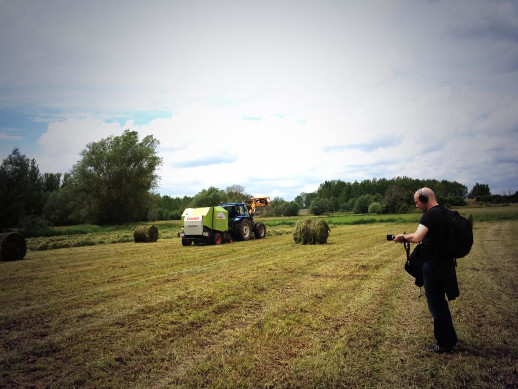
[{"x": 263, "y": 313}]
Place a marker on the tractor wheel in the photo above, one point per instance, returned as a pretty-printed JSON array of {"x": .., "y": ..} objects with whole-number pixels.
[
  {"x": 217, "y": 238},
  {"x": 243, "y": 230},
  {"x": 186, "y": 242},
  {"x": 260, "y": 231}
]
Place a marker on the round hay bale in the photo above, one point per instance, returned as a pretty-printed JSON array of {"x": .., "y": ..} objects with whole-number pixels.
[
  {"x": 302, "y": 233},
  {"x": 311, "y": 231},
  {"x": 145, "y": 234},
  {"x": 13, "y": 246},
  {"x": 321, "y": 231}
]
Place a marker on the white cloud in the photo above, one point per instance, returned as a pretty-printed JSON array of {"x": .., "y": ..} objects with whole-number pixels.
[
  {"x": 63, "y": 142},
  {"x": 274, "y": 96}
]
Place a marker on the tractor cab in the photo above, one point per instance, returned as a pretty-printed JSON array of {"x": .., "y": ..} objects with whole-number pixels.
[
  {"x": 236, "y": 211},
  {"x": 241, "y": 218}
]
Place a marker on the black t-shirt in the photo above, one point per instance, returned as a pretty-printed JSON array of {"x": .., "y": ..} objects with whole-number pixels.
[{"x": 437, "y": 233}]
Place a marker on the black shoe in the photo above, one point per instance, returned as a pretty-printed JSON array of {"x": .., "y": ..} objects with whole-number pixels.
[{"x": 438, "y": 349}]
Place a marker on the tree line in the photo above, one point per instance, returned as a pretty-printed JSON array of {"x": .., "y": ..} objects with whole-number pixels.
[
  {"x": 380, "y": 195},
  {"x": 115, "y": 179}
]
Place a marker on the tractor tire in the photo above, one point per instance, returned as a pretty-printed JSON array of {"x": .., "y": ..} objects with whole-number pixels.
[
  {"x": 259, "y": 231},
  {"x": 186, "y": 242},
  {"x": 243, "y": 230},
  {"x": 218, "y": 239}
]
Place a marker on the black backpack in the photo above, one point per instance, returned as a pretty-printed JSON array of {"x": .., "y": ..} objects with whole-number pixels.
[{"x": 460, "y": 234}]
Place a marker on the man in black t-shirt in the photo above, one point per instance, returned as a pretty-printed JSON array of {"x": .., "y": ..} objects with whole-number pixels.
[{"x": 438, "y": 269}]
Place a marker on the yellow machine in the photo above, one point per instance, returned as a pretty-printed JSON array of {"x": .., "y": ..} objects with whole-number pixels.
[{"x": 256, "y": 202}]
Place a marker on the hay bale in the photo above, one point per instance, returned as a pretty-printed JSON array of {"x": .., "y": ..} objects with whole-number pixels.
[
  {"x": 321, "y": 231},
  {"x": 13, "y": 246},
  {"x": 303, "y": 231},
  {"x": 145, "y": 234},
  {"x": 311, "y": 231}
]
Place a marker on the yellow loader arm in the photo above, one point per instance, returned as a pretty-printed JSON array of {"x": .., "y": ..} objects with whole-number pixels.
[{"x": 256, "y": 202}]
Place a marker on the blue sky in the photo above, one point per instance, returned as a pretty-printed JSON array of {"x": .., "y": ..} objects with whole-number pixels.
[{"x": 275, "y": 96}]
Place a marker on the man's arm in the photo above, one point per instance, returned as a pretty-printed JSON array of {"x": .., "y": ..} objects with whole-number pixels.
[{"x": 414, "y": 237}]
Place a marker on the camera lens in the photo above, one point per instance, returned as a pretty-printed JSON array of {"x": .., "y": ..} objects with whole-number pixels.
[{"x": 391, "y": 237}]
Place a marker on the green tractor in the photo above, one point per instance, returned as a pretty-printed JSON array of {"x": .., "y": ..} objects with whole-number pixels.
[
  {"x": 241, "y": 221},
  {"x": 223, "y": 223}
]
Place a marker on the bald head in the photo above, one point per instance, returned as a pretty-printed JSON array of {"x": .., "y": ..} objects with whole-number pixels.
[
  {"x": 428, "y": 192},
  {"x": 424, "y": 199}
]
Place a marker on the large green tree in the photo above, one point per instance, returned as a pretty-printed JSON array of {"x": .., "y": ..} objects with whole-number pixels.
[
  {"x": 479, "y": 190},
  {"x": 21, "y": 191},
  {"x": 114, "y": 179},
  {"x": 236, "y": 193},
  {"x": 209, "y": 197}
]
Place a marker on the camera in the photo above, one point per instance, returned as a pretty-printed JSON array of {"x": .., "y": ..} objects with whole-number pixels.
[{"x": 391, "y": 237}]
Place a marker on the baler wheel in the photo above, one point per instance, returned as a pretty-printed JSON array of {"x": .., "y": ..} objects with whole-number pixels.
[{"x": 217, "y": 238}]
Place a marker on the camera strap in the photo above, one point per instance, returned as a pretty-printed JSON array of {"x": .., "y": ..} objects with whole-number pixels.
[{"x": 406, "y": 245}]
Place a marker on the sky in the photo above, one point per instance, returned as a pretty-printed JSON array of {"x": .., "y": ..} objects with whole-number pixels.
[{"x": 274, "y": 96}]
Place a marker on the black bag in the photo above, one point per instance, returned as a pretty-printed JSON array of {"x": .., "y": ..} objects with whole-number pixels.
[
  {"x": 414, "y": 264},
  {"x": 460, "y": 234}
]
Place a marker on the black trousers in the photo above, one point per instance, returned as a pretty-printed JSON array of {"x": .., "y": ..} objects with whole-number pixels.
[{"x": 443, "y": 329}]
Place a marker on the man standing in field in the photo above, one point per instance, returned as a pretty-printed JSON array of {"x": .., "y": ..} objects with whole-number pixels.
[{"x": 438, "y": 268}]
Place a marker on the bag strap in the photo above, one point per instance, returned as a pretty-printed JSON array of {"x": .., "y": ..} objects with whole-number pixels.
[{"x": 406, "y": 245}]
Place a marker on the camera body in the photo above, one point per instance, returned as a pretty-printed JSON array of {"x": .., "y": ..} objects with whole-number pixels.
[{"x": 391, "y": 237}]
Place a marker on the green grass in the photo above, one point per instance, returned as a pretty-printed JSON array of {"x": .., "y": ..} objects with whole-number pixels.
[
  {"x": 263, "y": 313},
  {"x": 478, "y": 214}
]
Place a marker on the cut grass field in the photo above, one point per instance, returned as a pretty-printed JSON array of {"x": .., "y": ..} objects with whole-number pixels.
[{"x": 263, "y": 313}]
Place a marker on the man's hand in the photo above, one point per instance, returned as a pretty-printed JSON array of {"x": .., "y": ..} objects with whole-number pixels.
[{"x": 399, "y": 238}]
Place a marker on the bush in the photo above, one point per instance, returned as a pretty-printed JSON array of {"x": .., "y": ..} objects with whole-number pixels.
[
  {"x": 175, "y": 215},
  {"x": 375, "y": 207},
  {"x": 362, "y": 204},
  {"x": 291, "y": 209},
  {"x": 318, "y": 206},
  {"x": 34, "y": 225},
  {"x": 403, "y": 208}
]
